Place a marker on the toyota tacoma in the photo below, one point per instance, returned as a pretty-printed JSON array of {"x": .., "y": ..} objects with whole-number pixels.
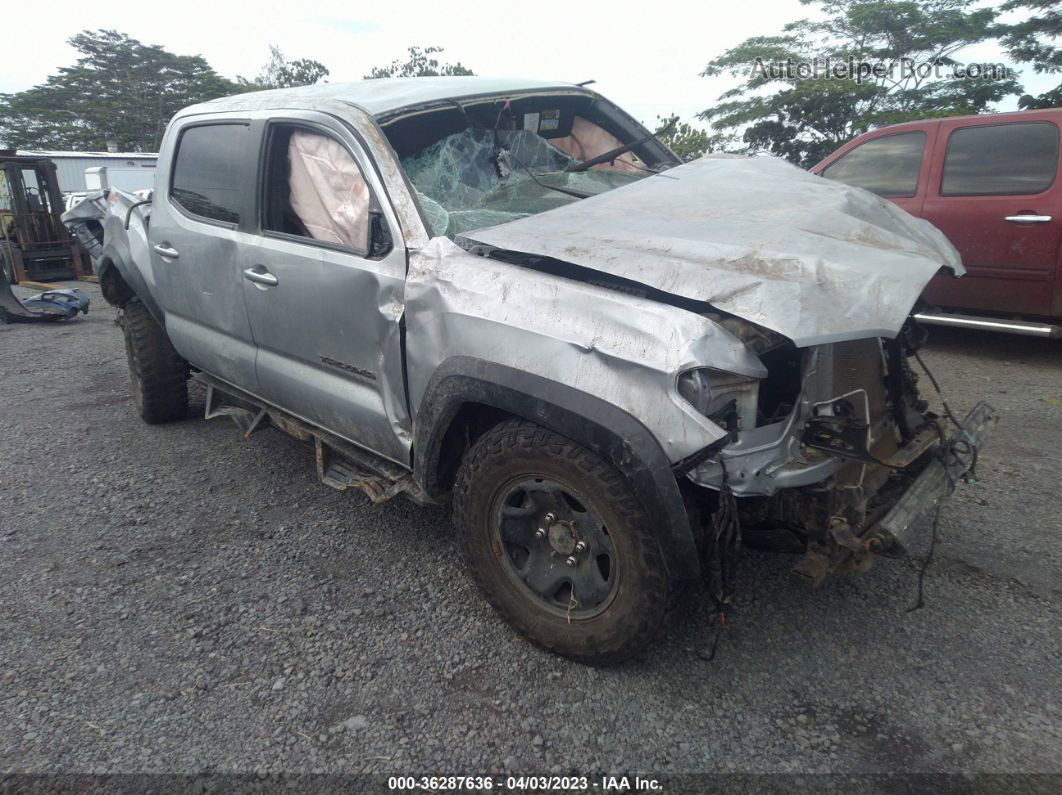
[{"x": 617, "y": 367}]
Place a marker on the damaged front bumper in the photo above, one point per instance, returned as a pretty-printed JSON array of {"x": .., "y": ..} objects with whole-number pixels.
[
  {"x": 848, "y": 548},
  {"x": 854, "y": 464},
  {"x": 938, "y": 479}
]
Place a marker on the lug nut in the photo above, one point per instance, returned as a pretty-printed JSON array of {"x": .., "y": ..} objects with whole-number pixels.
[
  {"x": 540, "y": 533},
  {"x": 549, "y": 518},
  {"x": 571, "y": 561},
  {"x": 581, "y": 546}
]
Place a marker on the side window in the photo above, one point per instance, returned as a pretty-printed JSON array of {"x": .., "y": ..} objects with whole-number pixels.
[
  {"x": 1003, "y": 159},
  {"x": 208, "y": 171},
  {"x": 887, "y": 166},
  {"x": 314, "y": 189}
]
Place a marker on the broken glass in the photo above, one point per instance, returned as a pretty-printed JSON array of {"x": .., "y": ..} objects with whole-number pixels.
[{"x": 481, "y": 177}]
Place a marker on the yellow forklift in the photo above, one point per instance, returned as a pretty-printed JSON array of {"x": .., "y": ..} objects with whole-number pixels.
[{"x": 34, "y": 244}]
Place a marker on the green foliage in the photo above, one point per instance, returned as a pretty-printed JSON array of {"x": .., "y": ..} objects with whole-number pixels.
[
  {"x": 1033, "y": 40},
  {"x": 1049, "y": 99},
  {"x": 119, "y": 89},
  {"x": 279, "y": 72},
  {"x": 419, "y": 63},
  {"x": 805, "y": 117},
  {"x": 689, "y": 142}
]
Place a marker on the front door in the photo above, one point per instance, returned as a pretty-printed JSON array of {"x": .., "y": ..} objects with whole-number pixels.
[
  {"x": 324, "y": 300},
  {"x": 198, "y": 216},
  {"x": 890, "y": 164},
  {"x": 994, "y": 192}
]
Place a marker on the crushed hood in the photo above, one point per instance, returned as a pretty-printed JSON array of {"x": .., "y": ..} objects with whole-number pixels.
[{"x": 815, "y": 260}]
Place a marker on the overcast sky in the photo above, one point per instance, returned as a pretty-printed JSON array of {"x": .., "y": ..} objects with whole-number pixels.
[{"x": 646, "y": 56}]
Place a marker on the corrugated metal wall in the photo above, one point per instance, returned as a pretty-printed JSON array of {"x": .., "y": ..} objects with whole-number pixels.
[{"x": 71, "y": 170}]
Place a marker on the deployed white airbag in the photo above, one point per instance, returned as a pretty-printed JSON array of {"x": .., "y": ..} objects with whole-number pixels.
[
  {"x": 587, "y": 141},
  {"x": 328, "y": 191}
]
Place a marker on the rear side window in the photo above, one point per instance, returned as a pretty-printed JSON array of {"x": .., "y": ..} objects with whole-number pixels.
[
  {"x": 208, "y": 172},
  {"x": 1004, "y": 159},
  {"x": 887, "y": 166}
]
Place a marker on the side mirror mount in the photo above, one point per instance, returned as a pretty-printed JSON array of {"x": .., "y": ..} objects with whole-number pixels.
[{"x": 380, "y": 242}]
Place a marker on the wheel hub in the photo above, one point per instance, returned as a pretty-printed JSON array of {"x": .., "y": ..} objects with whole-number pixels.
[{"x": 562, "y": 537}]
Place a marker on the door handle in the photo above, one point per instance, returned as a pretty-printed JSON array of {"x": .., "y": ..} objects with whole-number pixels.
[
  {"x": 1028, "y": 218},
  {"x": 260, "y": 275},
  {"x": 165, "y": 251}
]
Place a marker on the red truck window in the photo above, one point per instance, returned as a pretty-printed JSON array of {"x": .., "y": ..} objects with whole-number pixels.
[
  {"x": 887, "y": 166},
  {"x": 1001, "y": 160}
]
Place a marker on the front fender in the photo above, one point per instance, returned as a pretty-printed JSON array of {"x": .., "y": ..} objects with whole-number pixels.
[
  {"x": 596, "y": 365},
  {"x": 625, "y": 349}
]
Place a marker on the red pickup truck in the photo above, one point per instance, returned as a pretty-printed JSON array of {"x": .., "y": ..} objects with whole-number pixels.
[{"x": 991, "y": 184}]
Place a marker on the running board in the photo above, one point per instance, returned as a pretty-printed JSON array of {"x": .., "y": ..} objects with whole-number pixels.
[
  {"x": 1025, "y": 327},
  {"x": 341, "y": 465}
]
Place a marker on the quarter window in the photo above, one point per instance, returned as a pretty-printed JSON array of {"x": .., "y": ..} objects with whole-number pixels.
[
  {"x": 315, "y": 189},
  {"x": 1002, "y": 159},
  {"x": 208, "y": 173},
  {"x": 887, "y": 166}
]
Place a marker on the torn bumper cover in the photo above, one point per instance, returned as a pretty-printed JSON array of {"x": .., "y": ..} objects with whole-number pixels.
[
  {"x": 48, "y": 306},
  {"x": 938, "y": 478}
]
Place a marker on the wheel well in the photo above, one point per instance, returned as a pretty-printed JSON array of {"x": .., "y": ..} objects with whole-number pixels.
[
  {"x": 115, "y": 289},
  {"x": 466, "y": 395},
  {"x": 469, "y": 422}
]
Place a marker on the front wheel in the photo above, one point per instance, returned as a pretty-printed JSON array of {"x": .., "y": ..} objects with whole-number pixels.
[{"x": 560, "y": 545}]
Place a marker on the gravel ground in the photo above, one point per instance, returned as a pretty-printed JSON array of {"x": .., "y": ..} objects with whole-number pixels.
[{"x": 174, "y": 599}]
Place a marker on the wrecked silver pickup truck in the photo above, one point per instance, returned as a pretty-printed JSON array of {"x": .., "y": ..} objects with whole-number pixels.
[{"x": 620, "y": 368}]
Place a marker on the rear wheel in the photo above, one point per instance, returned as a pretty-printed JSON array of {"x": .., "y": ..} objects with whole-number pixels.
[
  {"x": 159, "y": 375},
  {"x": 560, "y": 545}
]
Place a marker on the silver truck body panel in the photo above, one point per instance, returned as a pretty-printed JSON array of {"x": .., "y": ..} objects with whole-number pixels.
[
  {"x": 384, "y": 97},
  {"x": 759, "y": 238},
  {"x": 620, "y": 348}
]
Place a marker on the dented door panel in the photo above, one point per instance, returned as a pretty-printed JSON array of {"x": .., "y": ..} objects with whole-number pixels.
[{"x": 328, "y": 328}]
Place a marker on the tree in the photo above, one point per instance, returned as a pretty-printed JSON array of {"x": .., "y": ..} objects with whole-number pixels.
[
  {"x": 119, "y": 89},
  {"x": 689, "y": 142},
  {"x": 279, "y": 72},
  {"x": 419, "y": 64},
  {"x": 866, "y": 64},
  {"x": 1033, "y": 41}
]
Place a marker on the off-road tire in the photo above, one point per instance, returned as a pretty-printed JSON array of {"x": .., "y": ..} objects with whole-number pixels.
[
  {"x": 159, "y": 375},
  {"x": 638, "y": 610}
]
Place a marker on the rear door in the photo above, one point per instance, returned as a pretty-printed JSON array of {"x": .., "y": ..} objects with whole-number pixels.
[
  {"x": 994, "y": 192},
  {"x": 324, "y": 294},
  {"x": 199, "y": 213}
]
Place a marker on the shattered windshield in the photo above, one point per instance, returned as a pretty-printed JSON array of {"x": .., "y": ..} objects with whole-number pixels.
[{"x": 482, "y": 177}]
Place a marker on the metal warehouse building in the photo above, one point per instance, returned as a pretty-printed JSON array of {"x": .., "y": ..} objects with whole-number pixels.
[{"x": 126, "y": 170}]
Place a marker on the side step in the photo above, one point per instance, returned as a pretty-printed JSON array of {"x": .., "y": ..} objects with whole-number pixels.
[
  {"x": 340, "y": 464},
  {"x": 1025, "y": 327}
]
